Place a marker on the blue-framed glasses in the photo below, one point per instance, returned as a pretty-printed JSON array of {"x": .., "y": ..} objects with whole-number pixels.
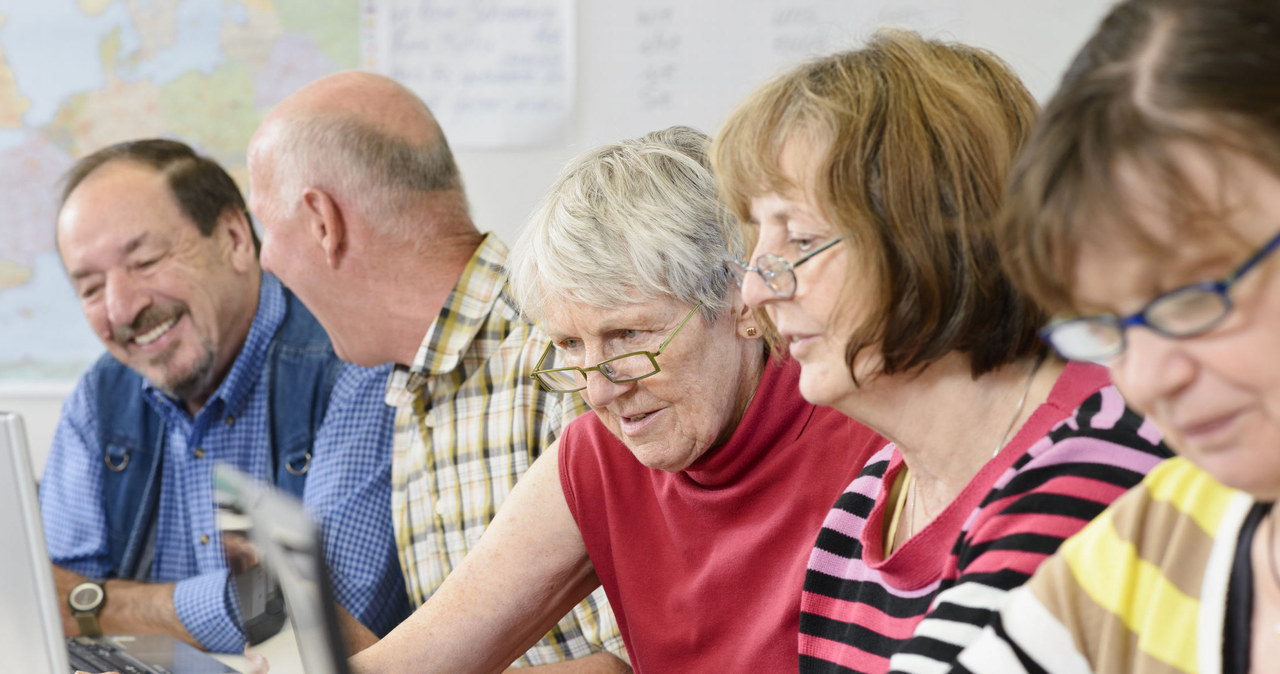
[
  {"x": 1182, "y": 312},
  {"x": 778, "y": 274}
]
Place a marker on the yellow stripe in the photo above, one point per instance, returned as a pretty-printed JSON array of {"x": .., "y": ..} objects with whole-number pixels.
[
  {"x": 1135, "y": 592},
  {"x": 1181, "y": 484}
]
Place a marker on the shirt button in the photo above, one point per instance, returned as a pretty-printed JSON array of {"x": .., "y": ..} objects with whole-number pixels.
[
  {"x": 441, "y": 509},
  {"x": 231, "y": 420},
  {"x": 199, "y": 453},
  {"x": 204, "y": 539}
]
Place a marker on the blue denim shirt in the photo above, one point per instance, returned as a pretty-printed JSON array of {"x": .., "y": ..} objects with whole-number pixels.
[{"x": 347, "y": 486}]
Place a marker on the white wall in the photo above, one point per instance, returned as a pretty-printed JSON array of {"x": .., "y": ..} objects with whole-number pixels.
[{"x": 1037, "y": 37}]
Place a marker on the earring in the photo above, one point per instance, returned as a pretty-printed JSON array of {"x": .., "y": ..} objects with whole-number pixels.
[{"x": 751, "y": 331}]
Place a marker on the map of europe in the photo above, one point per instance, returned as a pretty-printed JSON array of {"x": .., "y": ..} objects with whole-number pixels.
[{"x": 76, "y": 75}]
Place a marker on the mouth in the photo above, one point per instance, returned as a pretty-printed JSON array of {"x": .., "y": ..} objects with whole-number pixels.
[
  {"x": 635, "y": 423},
  {"x": 150, "y": 336},
  {"x": 1212, "y": 430}
]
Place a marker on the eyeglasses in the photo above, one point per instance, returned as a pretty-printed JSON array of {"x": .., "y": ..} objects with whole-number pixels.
[
  {"x": 619, "y": 369},
  {"x": 1182, "y": 312},
  {"x": 778, "y": 274}
]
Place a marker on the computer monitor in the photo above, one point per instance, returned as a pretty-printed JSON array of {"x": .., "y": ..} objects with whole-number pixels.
[
  {"x": 290, "y": 545},
  {"x": 31, "y": 634}
]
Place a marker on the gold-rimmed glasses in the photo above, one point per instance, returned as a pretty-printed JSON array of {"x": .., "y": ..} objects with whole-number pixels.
[{"x": 619, "y": 369}]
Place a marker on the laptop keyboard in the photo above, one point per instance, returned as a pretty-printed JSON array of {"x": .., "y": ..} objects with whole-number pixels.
[{"x": 105, "y": 656}]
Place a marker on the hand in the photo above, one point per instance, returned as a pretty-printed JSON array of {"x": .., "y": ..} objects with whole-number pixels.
[
  {"x": 240, "y": 553},
  {"x": 257, "y": 662}
]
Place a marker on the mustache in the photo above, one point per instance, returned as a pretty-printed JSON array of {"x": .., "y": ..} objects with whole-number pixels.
[{"x": 145, "y": 321}]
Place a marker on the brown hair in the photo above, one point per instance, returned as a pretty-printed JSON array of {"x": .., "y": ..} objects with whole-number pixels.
[
  {"x": 915, "y": 138},
  {"x": 202, "y": 189},
  {"x": 1157, "y": 75}
]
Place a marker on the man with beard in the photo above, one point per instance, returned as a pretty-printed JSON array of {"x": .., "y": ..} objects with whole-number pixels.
[{"x": 208, "y": 360}]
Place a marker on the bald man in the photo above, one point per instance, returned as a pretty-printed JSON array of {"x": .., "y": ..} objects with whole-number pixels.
[{"x": 365, "y": 218}]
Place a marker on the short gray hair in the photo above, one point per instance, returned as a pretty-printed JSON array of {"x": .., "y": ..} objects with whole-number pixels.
[
  {"x": 384, "y": 175},
  {"x": 627, "y": 222}
]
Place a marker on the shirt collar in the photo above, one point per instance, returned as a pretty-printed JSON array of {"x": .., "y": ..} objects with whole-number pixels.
[
  {"x": 465, "y": 311},
  {"x": 233, "y": 393}
]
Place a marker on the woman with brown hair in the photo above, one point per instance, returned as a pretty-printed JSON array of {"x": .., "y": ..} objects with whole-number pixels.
[
  {"x": 1146, "y": 211},
  {"x": 880, "y": 170}
]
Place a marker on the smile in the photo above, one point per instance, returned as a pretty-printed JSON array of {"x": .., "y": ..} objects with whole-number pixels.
[{"x": 155, "y": 333}]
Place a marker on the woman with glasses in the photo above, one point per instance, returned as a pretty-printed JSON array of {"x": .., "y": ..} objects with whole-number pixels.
[
  {"x": 694, "y": 490},
  {"x": 869, "y": 180},
  {"x": 1146, "y": 212}
]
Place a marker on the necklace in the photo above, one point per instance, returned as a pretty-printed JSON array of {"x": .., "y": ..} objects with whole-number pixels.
[
  {"x": 911, "y": 525},
  {"x": 1022, "y": 402},
  {"x": 912, "y": 499}
]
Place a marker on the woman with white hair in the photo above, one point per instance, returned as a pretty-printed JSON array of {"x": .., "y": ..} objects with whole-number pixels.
[{"x": 694, "y": 491}]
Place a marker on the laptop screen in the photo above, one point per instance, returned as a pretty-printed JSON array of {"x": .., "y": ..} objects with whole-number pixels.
[
  {"x": 30, "y": 626},
  {"x": 289, "y": 543}
]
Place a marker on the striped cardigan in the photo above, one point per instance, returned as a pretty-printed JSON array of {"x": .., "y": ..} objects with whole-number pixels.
[
  {"x": 1141, "y": 590},
  {"x": 1078, "y": 452}
]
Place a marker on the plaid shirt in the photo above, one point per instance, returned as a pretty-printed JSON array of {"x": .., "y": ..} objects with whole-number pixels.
[{"x": 469, "y": 422}]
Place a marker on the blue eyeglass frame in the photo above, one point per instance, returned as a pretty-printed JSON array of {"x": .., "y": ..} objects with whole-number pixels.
[{"x": 1220, "y": 287}]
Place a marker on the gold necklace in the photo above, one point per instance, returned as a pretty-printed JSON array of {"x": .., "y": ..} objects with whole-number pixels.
[
  {"x": 912, "y": 498},
  {"x": 1022, "y": 402}
]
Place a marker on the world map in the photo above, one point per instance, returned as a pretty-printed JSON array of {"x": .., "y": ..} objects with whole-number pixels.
[{"x": 77, "y": 75}]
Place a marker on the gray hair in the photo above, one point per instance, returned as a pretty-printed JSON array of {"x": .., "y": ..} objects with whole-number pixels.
[
  {"x": 627, "y": 222},
  {"x": 380, "y": 174}
]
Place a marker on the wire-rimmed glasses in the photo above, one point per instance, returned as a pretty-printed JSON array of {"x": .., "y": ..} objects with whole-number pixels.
[
  {"x": 1182, "y": 312},
  {"x": 777, "y": 273},
  {"x": 619, "y": 369}
]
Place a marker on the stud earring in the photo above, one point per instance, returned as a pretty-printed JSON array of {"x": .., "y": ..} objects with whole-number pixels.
[{"x": 751, "y": 331}]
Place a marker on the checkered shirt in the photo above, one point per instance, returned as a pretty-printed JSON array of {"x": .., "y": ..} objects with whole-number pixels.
[
  {"x": 348, "y": 489},
  {"x": 469, "y": 422}
]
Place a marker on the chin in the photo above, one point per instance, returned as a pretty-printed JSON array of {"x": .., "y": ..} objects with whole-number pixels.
[{"x": 817, "y": 387}]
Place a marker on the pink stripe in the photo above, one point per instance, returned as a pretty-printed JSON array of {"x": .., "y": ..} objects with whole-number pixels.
[
  {"x": 864, "y": 485},
  {"x": 1112, "y": 409},
  {"x": 842, "y": 567},
  {"x": 844, "y": 522},
  {"x": 1016, "y": 560},
  {"x": 1148, "y": 431},
  {"x": 842, "y": 654},
  {"x": 1093, "y": 450},
  {"x": 854, "y": 570},
  {"x": 1002, "y": 526},
  {"x": 863, "y": 615}
]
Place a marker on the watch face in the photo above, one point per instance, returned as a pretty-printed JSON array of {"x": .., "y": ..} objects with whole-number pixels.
[{"x": 86, "y": 597}]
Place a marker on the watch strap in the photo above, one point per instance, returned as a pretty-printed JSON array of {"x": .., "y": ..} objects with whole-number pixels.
[{"x": 88, "y": 623}]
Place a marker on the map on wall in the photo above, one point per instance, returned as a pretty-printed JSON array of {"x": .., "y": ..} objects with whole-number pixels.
[{"x": 76, "y": 75}]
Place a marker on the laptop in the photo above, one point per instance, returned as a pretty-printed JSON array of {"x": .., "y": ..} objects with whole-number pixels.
[
  {"x": 290, "y": 546},
  {"x": 31, "y": 634}
]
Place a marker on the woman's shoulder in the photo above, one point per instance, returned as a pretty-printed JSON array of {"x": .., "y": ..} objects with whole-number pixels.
[{"x": 1103, "y": 428}]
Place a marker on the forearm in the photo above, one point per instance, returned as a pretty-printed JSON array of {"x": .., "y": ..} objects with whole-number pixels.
[
  {"x": 132, "y": 607},
  {"x": 598, "y": 663},
  {"x": 529, "y": 569}
]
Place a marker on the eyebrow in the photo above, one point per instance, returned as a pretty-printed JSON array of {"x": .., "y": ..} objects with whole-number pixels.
[{"x": 129, "y": 247}]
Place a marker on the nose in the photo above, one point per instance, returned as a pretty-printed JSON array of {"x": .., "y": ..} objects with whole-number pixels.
[
  {"x": 1153, "y": 367},
  {"x": 600, "y": 391},
  {"x": 124, "y": 300},
  {"x": 755, "y": 293}
]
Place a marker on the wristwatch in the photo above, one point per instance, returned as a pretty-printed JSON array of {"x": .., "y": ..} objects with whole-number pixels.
[{"x": 86, "y": 600}]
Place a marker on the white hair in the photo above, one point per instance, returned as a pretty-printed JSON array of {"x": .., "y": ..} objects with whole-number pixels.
[
  {"x": 627, "y": 222},
  {"x": 380, "y": 174}
]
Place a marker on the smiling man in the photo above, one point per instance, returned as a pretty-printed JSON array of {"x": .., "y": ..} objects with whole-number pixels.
[{"x": 208, "y": 360}]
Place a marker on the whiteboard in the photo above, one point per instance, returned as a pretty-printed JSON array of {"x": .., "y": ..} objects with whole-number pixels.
[{"x": 648, "y": 64}]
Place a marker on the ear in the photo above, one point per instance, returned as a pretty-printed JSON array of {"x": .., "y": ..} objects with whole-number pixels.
[
  {"x": 326, "y": 224},
  {"x": 244, "y": 252},
  {"x": 748, "y": 322}
]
